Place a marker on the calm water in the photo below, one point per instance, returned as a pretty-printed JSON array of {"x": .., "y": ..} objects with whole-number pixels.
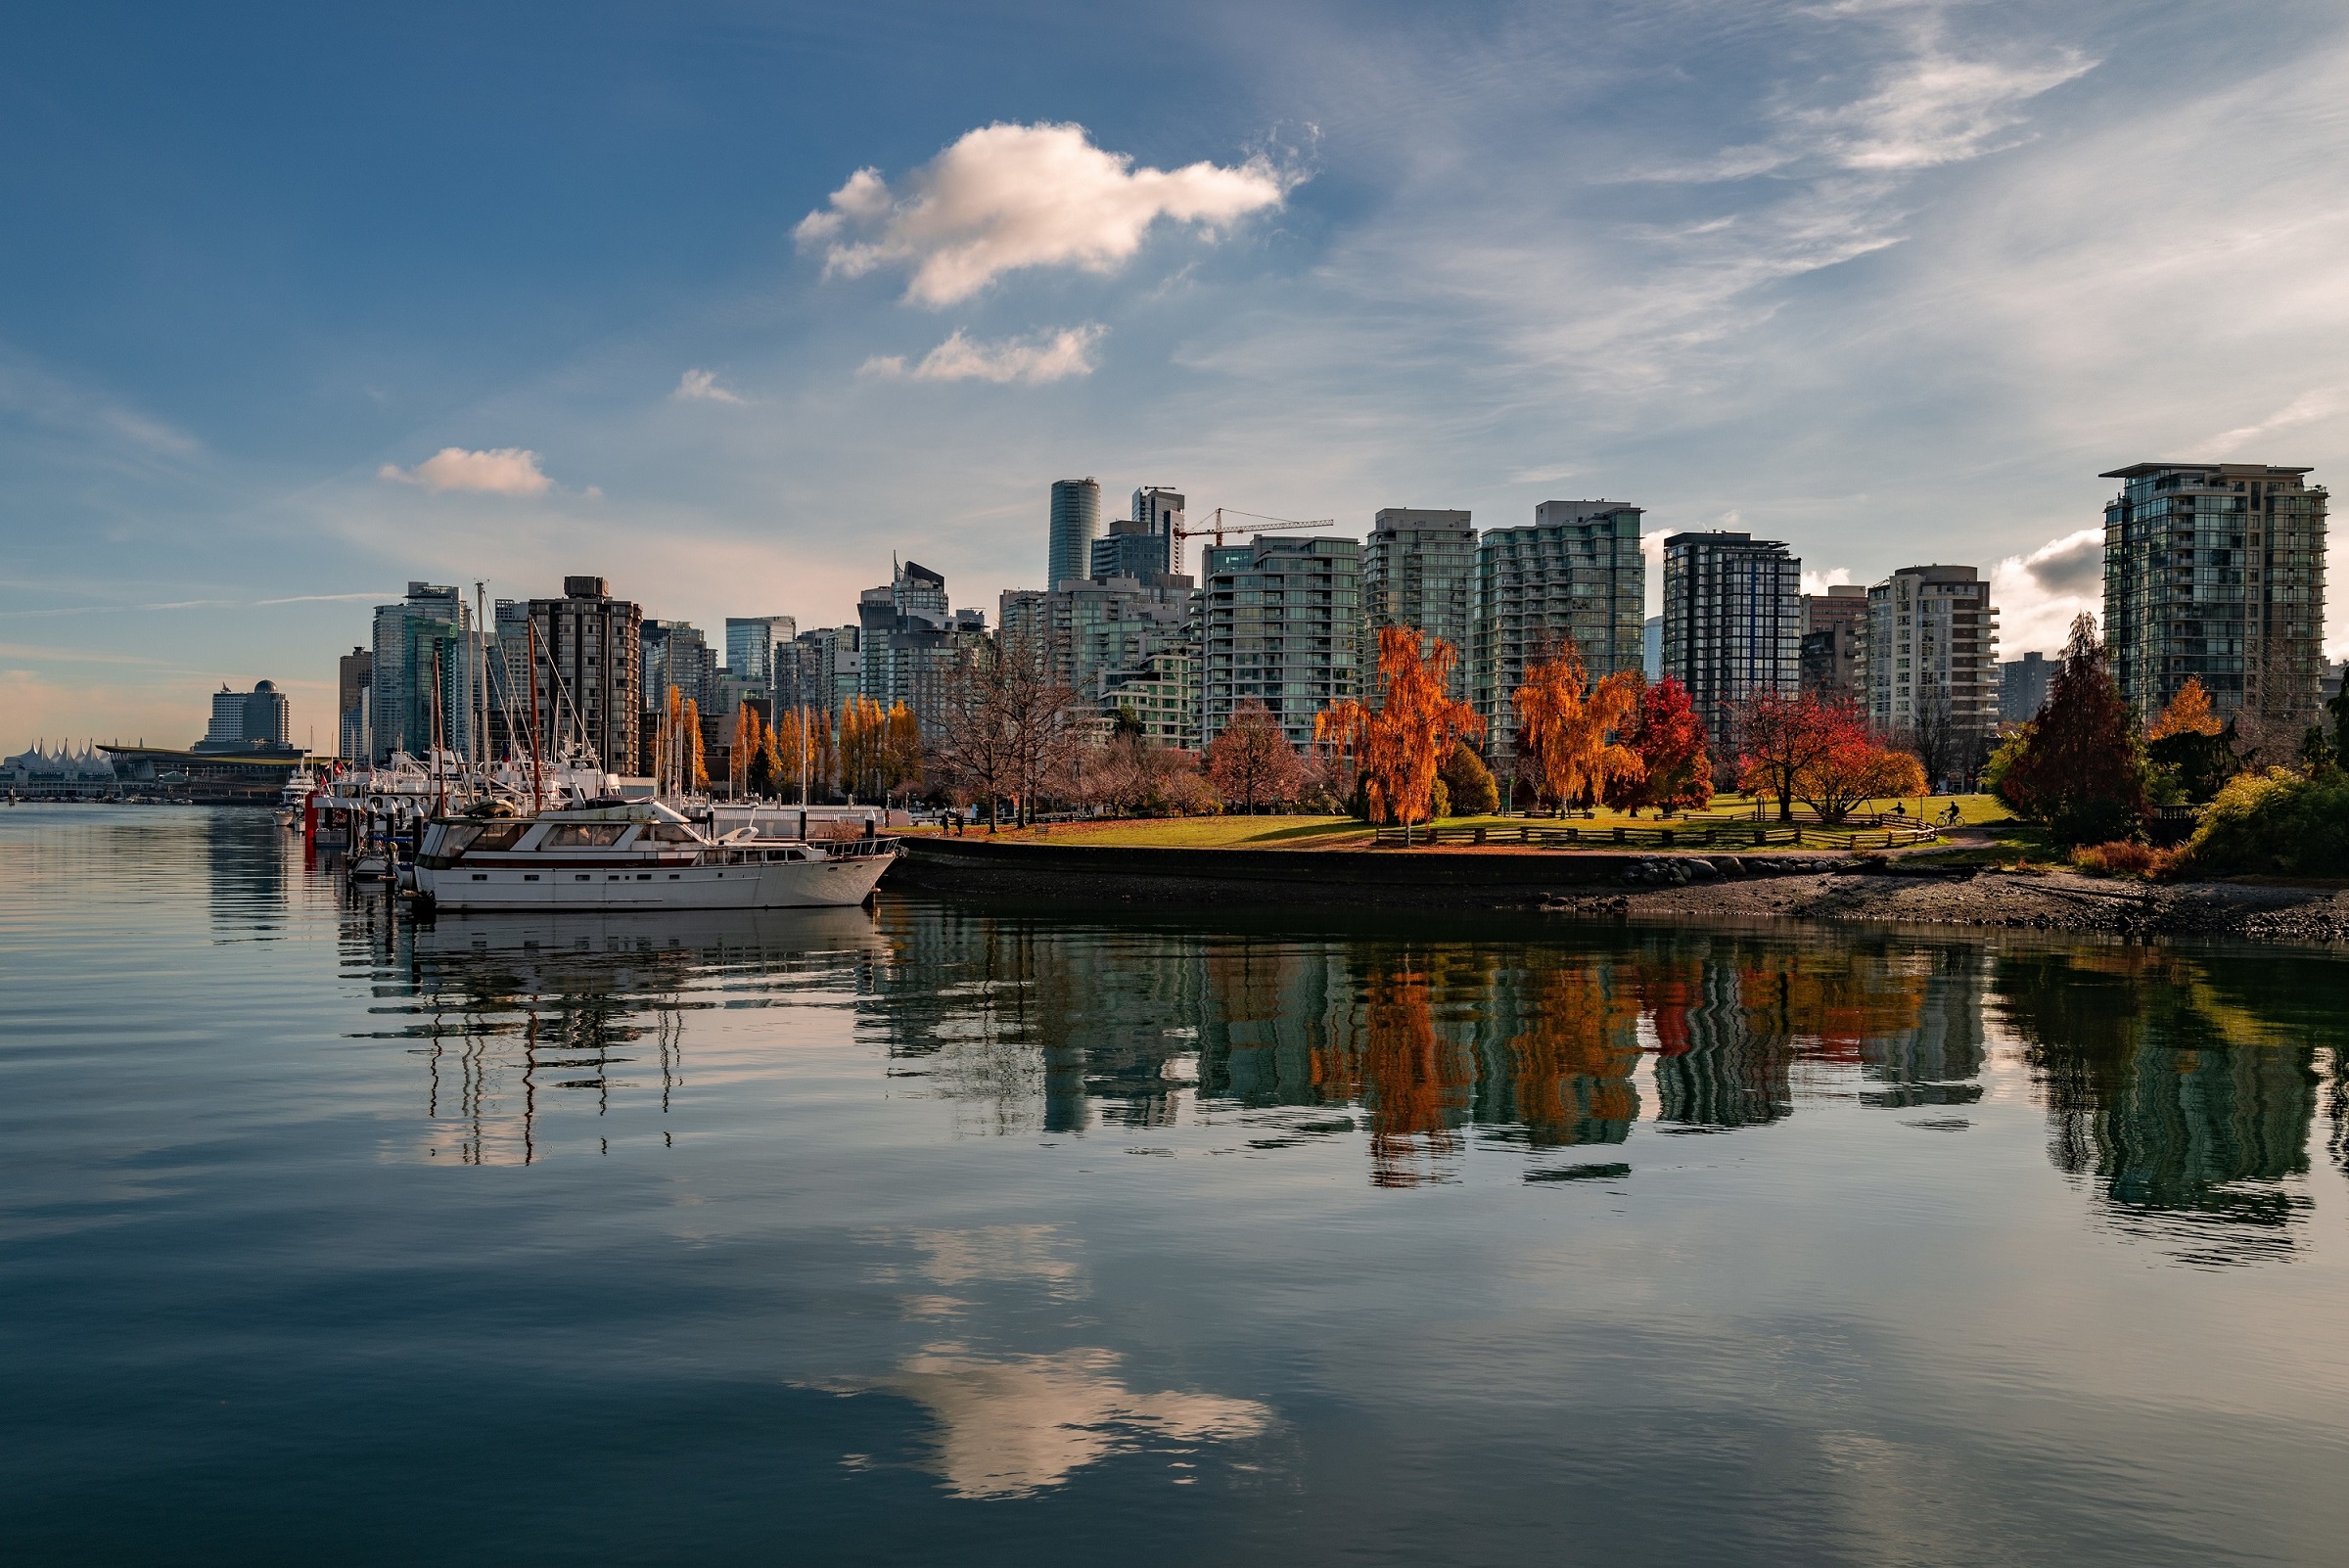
[{"x": 951, "y": 1233}]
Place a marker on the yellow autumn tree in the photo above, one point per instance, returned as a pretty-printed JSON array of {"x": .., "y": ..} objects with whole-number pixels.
[
  {"x": 902, "y": 750},
  {"x": 2189, "y": 714},
  {"x": 801, "y": 741},
  {"x": 1400, "y": 745},
  {"x": 750, "y": 743},
  {"x": 1566, "y": 728}
]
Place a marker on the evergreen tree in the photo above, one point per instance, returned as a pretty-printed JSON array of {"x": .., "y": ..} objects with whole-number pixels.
[{"x": 2082, "y": 773}]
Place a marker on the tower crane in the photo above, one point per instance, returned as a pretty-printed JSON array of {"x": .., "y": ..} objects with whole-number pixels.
[{"x": 1215, "y": 527}]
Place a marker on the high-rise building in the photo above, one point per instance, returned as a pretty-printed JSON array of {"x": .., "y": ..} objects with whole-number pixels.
[
  {"x": 1834, "y": 628},
  {"x": 425, "y": 638},
  {"x": 354, "y": 675},
  {"x": 1141, "y": 547},
  {"x": 2215, "y": 572},
  {"x": 1732, "y": 625},
  {"x": 750, "y": 644},
  {"x": 1651, "y": 648},
  {"x": 588, "y": 683},
  {"x": 1076, "y": 522},
  {"x": 675, "y": 653},
  {"x": 1932, "y": 650},
  {"x": 2023, "y": 687},
  {"x": 909, "y": 644},
  {"x": 1576, "y": 576},
  {"x": 1161, "y": 697},
  {"x": 1090, "y": 630},
  {"x": 1282, "y": 625},
  {"x": 253, "y": 721},
  {"x": 1419, "y": 571}
]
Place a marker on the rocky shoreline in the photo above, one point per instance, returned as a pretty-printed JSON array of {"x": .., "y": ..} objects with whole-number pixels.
[{"x": 2035, "y": 900}]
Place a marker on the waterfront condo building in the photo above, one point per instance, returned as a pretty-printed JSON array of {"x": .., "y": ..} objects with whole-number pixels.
[
  {"x": 1932, "y": 647},
  {"x": 1094, "y": 629},
  {"x": 2216, "y": 572},
  {"x": 585, "y": 677},
  {"x": 1834, "y": 624},
  {"x": 1575, "y": 575},
  {"x": 675, "y": 653},
  {"x": 1280, "y": 623},
  {"x": 1419, "y": 571},
  {"x": 1074, "y": 525},
  {"x": 1733, "y": 626}
]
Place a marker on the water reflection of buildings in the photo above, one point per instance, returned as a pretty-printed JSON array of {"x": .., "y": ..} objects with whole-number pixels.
[
  {"x": 1422, "y": 1044},
  {"x": 516, "y": 1017},
  {"x": 2189, "y": 1105}
]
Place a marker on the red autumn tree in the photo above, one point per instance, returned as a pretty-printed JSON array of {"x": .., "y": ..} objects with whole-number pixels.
[
  {"x": 1670, "y": 741},
  {"x": 1783, "y": 735},
  {"x": 1852, "y": 768}
]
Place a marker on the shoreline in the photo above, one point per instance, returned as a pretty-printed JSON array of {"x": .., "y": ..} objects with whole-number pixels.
[{"x": 1828, "y": 888}]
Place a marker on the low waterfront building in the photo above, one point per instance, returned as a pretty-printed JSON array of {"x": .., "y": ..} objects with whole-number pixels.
[{"x": 1161, "y": 698}]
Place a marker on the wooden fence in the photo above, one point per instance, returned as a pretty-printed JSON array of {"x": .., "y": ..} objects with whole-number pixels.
[{"x": 1724, "y": 836}]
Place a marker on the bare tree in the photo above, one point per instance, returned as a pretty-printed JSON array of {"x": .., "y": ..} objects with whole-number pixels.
[
  {"x": 1934, "y": 739},
  {"x": 2279, "y": 704},
  {"x": 975, "y": 751}
]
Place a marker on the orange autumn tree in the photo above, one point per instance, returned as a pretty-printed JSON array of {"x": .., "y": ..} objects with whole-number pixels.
[
  {"x": 2189, "y": 714},
  {"x": 1400, "y": 746},
  {"x": 1567, "y": 728}
]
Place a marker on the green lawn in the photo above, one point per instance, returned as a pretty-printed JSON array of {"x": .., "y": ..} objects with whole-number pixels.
[{"x": 1341, "y": 833}]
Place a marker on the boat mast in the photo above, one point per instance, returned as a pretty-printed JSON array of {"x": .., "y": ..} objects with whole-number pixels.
[{"x": 538, "y": 773}]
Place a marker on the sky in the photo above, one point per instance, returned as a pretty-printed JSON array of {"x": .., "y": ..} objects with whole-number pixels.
[{"x": 733, "y": 302}]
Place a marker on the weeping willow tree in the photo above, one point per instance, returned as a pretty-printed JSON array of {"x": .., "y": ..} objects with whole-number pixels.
[{"x": 1567, "y": 728}]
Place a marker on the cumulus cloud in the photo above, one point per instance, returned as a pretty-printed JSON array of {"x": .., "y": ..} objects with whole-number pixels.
[
  {"x": 2038, "y": 594},
  {"x": 1817, "y": 583},
  {"x": 701, "y": 386},
  {"x": 1045, "y": 356},
  {"x": 1008, "y": 197},
  {"x": 499, "y": 471}
]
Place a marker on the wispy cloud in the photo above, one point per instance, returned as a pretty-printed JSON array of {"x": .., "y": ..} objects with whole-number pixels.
[
  {"x": 499, "y": 471},
  {"x": 702, "y": 386},
  {"x": 2309, "y": 408},
  {"x": 1009, "y": 197},
  {"x": 1046, "y": 356}
]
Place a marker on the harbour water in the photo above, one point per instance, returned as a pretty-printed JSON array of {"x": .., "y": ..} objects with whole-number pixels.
[{"x": 957, "y": 1232}]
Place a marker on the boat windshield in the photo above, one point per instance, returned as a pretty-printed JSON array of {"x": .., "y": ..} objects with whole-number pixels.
[{"x": 583, "y": 835}]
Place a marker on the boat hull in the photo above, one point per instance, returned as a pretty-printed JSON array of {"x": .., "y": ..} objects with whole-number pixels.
[{"x": 775, "y": 885}]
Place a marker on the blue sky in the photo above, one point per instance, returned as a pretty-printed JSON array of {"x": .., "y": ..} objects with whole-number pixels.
[{"x": 299, "y": 303}]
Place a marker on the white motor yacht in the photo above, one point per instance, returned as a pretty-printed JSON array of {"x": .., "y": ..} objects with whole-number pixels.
[{"x": 637, "y": 854}]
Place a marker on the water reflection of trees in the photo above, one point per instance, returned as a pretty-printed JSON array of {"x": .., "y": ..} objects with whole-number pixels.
[
  {"x": 2186, "y": 1100},
  {"x": 2186, "y": 1084}
]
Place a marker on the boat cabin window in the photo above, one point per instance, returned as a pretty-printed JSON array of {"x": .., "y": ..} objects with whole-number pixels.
[
  {"x": 583, "y": 835},
  {"x": 456, "y": 839},
  {"x": 499, "y": 835},
  {"x": 667, "y": 833}
]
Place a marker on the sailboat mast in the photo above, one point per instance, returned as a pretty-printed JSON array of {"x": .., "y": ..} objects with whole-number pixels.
[{"x": 537, "y": 772}]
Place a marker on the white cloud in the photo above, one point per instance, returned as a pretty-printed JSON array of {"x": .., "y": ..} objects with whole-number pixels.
[
  {"x": 1814, "y": 583},
  {"x": 1008, "y": 197},
  {"x": 2310, "y": 407},
  {"x": 499, "y": 471},
  {"x": 1935, "y": 108},
  {"x": 2038, "y": 594},
  {"x": 701, "y": 386},
  {"x": 1045, "y": 356}
]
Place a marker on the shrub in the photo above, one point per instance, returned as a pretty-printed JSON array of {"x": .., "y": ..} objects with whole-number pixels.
[
  {"x": 1469, "y": 782},
  {"x": 2124, "y": 858},
  {"x": 2276, "y": 821}
]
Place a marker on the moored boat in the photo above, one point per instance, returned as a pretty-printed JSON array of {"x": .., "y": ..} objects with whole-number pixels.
[{"x": 637, "y": 854}]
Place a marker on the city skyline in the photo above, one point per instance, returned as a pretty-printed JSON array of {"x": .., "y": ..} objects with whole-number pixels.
[{"x": 1828, "y": 271}]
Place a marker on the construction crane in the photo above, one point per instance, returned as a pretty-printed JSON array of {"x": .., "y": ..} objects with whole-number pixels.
[{"x": 1216, "y": 529}]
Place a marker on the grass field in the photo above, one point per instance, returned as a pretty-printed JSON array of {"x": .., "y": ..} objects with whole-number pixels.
[{"x": 1345, "y": 833}]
